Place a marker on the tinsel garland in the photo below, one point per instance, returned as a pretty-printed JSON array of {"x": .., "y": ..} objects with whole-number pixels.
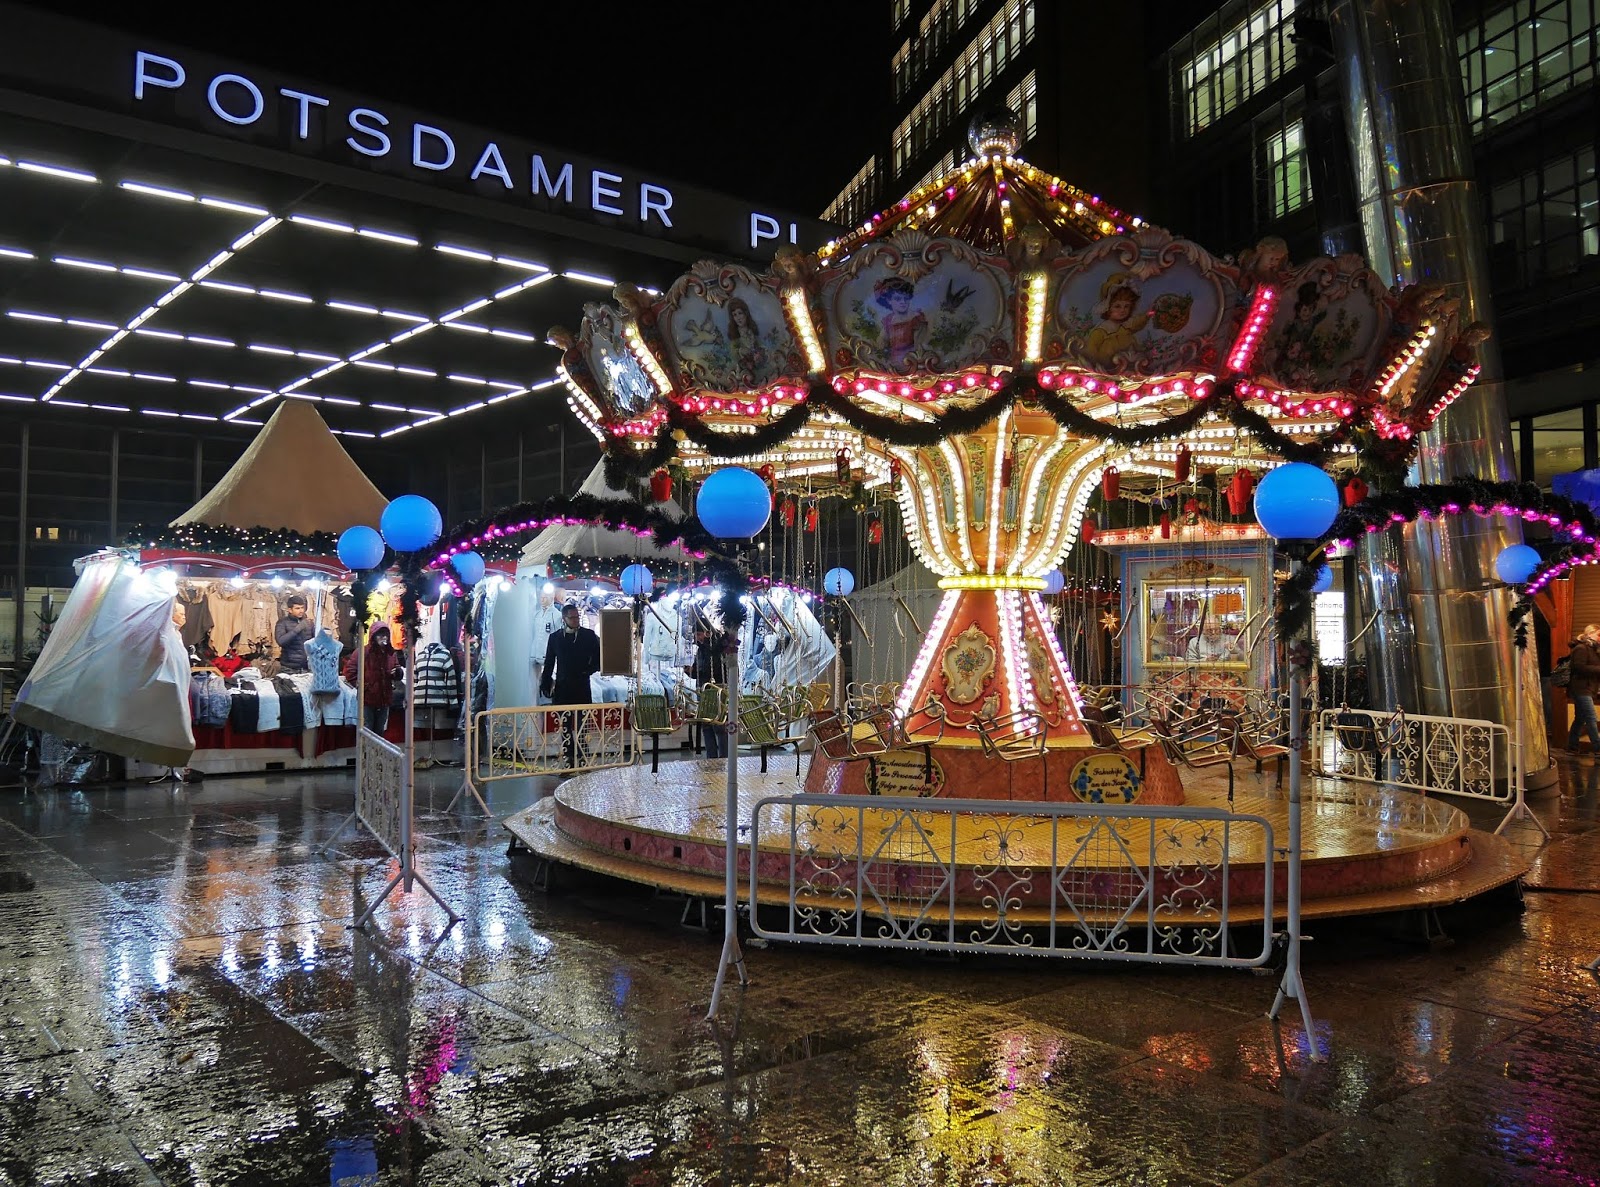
[
  {"x": 624, "y": 464},
  {"x": 663, "y": 530},
  {"x": 1408, "y": 504},
  {"x": 229, "y": 541}
]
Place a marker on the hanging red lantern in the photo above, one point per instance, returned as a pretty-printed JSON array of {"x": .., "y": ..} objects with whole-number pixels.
[
  {"x": 874, "y": 528},
  {"x": 786, "y": 511},
  {"x": 1354, "y": 491},
  {"x": 1240, "y": 490},
  {"x": 1191, "y": 507},
  {"x": 841, "y": 465},
  {"x": 1087, "y": 531},
  {"x": 1110, "y": 482},
  {"x": 811, "y": 515},
  {"x": 1180, "y": 464},
  {"x": 660, "y": 486},
  {"x": 894, "y": 473},
  {"x": 1166, "y": 526},
  {"x": 766, "y": 473}
]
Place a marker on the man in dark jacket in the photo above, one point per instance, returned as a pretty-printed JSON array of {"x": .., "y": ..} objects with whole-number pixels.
[
  {"x": 711, "y": 667},
  {"x": 570, "y": 658},
  {"x": 1581, "y": 690},
  {"x": 292, "y": 632}
]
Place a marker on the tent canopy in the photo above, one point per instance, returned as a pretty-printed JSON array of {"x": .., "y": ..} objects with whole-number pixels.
[
  {"x": 590, "y": 541},
  {"x": 294, "y": 475}
]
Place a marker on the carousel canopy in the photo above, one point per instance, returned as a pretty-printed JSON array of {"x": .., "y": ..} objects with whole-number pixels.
[
  {"x": 595, "y": 540},
  {"x": 294, "y": 475}
]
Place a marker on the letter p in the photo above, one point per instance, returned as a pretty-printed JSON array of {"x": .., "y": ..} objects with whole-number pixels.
[
  {"x": 171, "y": 80},
  {"x": 763, "y": 226}
]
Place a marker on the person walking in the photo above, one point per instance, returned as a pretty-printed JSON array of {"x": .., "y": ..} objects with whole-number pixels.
[
  {"x": 570, "y": 658},
  {"x": 711, "y": 667},
  {"x": 1585, "y": 656}
]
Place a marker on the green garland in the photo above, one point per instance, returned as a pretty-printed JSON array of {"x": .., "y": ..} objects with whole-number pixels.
[
  {"x": 230, "y": 541},
  {"x": 624, "y": 464}
]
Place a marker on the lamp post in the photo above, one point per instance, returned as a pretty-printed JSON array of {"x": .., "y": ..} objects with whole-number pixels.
[
  {"x": 1515, "y": 564},
  {"x": 1295, "y": 504},
  {"x": 734, "y": 504}
]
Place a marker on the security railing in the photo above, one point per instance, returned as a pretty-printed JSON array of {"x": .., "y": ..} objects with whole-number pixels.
[
  {"x": 551, "y": 740},
  {"x": 1132, "y": 883},
  {"x": 1449, "y": 755}
]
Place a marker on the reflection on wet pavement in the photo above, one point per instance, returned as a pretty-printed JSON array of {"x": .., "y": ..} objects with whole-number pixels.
[{"x": 182, "y": 1002}]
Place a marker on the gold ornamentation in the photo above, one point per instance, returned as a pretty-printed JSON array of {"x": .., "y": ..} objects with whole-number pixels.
[
  {"x": 968, "y": 663},
  {"x": 1039, "y": 670}
]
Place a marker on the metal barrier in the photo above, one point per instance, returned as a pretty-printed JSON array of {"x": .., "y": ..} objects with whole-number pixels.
[
  {"x": 1131, "y": 883},
  {"x": 1447, "y": 755},
  {"x": 517, "y": 743}
]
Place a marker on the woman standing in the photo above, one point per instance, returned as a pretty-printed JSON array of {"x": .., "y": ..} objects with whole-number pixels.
[{"x": 377, "y": 688}]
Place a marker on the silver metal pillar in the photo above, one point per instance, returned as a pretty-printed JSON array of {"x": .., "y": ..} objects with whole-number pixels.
[{"x": 1422, "y": 216}]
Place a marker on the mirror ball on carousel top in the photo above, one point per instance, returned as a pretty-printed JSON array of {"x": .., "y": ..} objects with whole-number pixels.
[{"x": 987, "y": 348}]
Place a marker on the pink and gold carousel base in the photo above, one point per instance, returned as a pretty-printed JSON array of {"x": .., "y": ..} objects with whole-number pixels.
[
  {"x": 1363, "y": 856},
  {"x": 958, "y": 768}
]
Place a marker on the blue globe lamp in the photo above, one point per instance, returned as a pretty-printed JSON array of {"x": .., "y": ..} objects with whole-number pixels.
[
  {"x": 841, "y": 583},
  {"x": 1054, "y": 582},
  {"x": 734, "y": 503},
  {"x": 360, "y": 548},
  {"x": 1297, "y": 501},
  {"x": 1516, "y": 564},
  {"x": 637, "y": 581},
  {"x": 469, "y": 568},
  {"x": 1324, "y": 580},
  {"x": 411, "y": 523}
]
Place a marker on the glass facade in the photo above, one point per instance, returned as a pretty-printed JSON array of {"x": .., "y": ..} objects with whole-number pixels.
[
  {"x": 1524, "y": 54},
  {"x": 1221, "y": 65},
  {"x": 852, "y": 205},
  {"x": 1283, "y": 156},
  {"x": 1546, "y": 222}
]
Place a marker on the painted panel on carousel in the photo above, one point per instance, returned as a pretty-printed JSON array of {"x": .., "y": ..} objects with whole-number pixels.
[
  {"x": 1144, "y": 305},
  {"x": 1330, "y": 320},
  {"x": 606, "y": 352},
  {"x": 726, "y": 331},
  {"x": 919, "y": 304}
]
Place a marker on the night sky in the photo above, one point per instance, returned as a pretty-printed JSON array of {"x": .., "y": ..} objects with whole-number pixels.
[{"x": 776, "y": 103}]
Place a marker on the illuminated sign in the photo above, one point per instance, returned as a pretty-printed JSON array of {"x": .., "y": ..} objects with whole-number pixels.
[
  {"x": 44, "y": 54},
  {"x": 1328, "y": 623}
]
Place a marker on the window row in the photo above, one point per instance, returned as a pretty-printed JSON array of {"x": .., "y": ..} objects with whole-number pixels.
[
  {"x": 1555, "y": 443},
  {"x": 1524, "y": 54},
  {"x": 852, "y": 205},
  {"x": 995, "y": 47},
  {"x": 1545, "y": 222},
  {"x": 1221, "y": 65},
  {"x": 938, "y": 26}
]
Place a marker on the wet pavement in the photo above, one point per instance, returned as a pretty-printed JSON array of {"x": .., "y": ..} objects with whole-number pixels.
[{"x": 181, "y": 1001}]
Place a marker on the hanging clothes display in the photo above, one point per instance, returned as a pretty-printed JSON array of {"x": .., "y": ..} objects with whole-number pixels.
[
  {"x": 438, "y": 678},
  {"x": 322, "y": 655}
]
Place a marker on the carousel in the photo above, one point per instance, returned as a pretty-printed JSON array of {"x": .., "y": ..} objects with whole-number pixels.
[{"x": 1000, "y": 365}]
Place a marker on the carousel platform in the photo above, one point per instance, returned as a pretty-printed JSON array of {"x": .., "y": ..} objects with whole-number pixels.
[{"x": 1367, "y": 850}]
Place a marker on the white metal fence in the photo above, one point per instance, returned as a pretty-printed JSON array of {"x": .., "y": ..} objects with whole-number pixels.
[
  {"x": 1450, "y": 755},
  {"x": 1132, "y": 883},
  {"x": 550, "y": 740}
]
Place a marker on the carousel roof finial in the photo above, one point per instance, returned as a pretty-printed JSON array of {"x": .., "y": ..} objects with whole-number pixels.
[{"x": 995, "y": 133}]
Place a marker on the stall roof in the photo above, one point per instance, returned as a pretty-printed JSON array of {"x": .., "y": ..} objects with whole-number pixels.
[
  {"x": 587, "y": 540},
  {"x": 293, "y": 475}
]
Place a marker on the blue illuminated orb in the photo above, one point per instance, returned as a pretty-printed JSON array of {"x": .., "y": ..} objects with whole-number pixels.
[
  {"x": 637, "y": 581},
  {"x": 360, "y": 548},
  {"x": 1516, "y": 564},
  {"x": 1054, "y": 582},
  {"x": 841, "y": 583},
  {"x": 469, "y": 568},
  {"x": 411, "y": 523},
  {"x": 1297, "y": 501},
  {"x": 1324, "y": 580},
  {"x": 734, "y": 503}
]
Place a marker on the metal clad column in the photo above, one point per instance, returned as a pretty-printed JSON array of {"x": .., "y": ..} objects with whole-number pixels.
[{"x": 1422, "y": 216}]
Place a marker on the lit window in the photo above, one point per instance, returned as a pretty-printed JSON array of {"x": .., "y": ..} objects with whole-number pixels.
[
  {"x": 1288, "y": 183},
  {"x": 1526, "y": 53},
  {"x": 850, "y": 207},
  {"x": 1213, "y": 80},
  {"x": 995, "y": 47}
]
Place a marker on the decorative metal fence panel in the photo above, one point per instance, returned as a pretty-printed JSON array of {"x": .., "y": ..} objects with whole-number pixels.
[
  {"x": 380, "y": 792},
  {"x": 1450, "y": 755},
  {"x": 551, "y": 740},
  {"x": 1134, "y": 883}
]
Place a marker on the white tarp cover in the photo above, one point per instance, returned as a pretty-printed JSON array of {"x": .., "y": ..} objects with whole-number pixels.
[
  {"x": 114, "y": 673},
  {"x": 895, "y": 637},
  {"x": 587, "y": 540}
]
